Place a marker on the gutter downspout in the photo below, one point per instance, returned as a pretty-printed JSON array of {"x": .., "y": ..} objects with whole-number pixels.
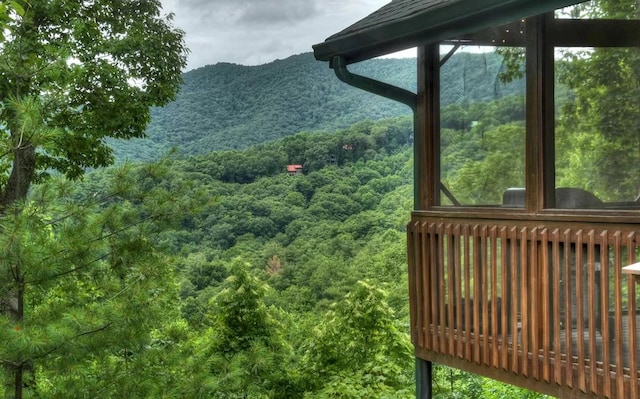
[
  {"x": 406, "y": 97},
  {"x": 424, "y": 371},
  {"x": 383, "y": 89}
]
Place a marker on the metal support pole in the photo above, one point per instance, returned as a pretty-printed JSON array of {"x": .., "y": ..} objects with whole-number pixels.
[{"x": 424, "y": 379}]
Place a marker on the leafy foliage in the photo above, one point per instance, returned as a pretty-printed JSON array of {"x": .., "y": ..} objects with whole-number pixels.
[
  {"x": 598, "y": 133},
  {"x": 282, "y": 278},
  {"x": 291, "y": 270},
  {"x": 75, "y": 73},
  {"x": 244, "y": 353}
]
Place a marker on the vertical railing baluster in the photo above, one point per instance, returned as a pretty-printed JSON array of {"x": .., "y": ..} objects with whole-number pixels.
[
  {"x": 547, "y": 314},
  {"x": 468, "y": 261},
  {"x": 484, "y": 294},
  {"x": 490, "y": 322},
  {"x": 617, "y": 269},
  {"x": 459, "y": 293},
  {"x": 534, "y": 307},
  {"x": 451, "y": 277},
  {"x": 568, "y": 316},
  {"x": 579, "y": 262},
  {"x": 604, "y": 311},
  {"x": 425, "y": 289},
  {"x": 422, "y": 286},
  {"x": 494, "y": 296},
  {"x": 485, "y": 287},
  {"x": 524, "y": 301},
  {"x": 413, "y": 238},
  {"x": 434, "y": 291},
  {"x": 477, "y": 293},
  {"x": 592, "y": 294},
  {"x": 504, "y": 284},
  {"x": 557, "y": 305},
  {"x": 419, "y": 286},
  {"x": 442, "y": 287},
  {"x": 514, "y": 299}
]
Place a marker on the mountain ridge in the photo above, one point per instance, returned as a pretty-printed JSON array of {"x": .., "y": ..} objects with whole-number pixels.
[{"x": 232, "y": 106}]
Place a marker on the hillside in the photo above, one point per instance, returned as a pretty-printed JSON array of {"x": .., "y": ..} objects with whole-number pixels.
[
  {"x": 229, "y": 106},
  {"x": 297, "y": 268}
]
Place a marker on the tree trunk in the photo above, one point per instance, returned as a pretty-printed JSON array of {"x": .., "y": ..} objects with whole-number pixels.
[
  {"x": 20, "y": 179},
  {"x": 17, "y": 383},
  {"x": 24, "y": 165}
]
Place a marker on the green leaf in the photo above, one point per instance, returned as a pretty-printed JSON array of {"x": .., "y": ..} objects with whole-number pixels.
[{"x": 17, "y": 7}]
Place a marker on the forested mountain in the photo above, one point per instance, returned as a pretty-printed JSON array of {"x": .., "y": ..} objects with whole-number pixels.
[
  {"x": 296, "y": 286},
  {"x": 229, "y": 106},
  {"x": 252, "y": 283}
]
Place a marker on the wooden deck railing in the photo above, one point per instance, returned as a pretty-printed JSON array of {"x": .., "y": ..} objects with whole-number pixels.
[{"x": 549, "y": 304}]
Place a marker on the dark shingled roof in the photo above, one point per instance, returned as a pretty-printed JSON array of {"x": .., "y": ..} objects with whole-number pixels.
[
  {"x": 403, "y": 24},
  {"x": 395, "y": 10}
]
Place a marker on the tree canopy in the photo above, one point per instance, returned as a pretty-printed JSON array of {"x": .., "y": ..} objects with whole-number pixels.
[{"x": 74, "y": 73}]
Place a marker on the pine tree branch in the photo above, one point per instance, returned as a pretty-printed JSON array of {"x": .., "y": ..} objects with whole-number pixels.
[
  {"x": 11, "y": 364},
  {"x": 82, "y": 334},
  {"x": 70, "y": 271},
  {"x": 75, "y": 254},
  {"x": 100, "y": 201}
]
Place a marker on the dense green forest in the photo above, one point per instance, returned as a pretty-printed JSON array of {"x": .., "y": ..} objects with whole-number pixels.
[
  {"x": 227, "y": 106},
  {"x": 293, "y": 286}
]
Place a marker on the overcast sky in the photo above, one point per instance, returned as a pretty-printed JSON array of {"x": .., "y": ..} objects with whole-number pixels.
[{"x": 253, "y": 32}]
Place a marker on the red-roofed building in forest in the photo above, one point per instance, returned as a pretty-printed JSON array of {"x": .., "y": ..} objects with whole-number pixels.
[{"x": 294, "y": 170}]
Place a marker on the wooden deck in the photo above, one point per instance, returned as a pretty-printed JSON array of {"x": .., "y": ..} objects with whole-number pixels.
[{"x": 545, "y": 302}]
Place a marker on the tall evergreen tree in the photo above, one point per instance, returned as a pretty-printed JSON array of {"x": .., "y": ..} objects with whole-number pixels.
[
  {"x": 244, "y": 353},
  {"x": 73, "y": 73},
  {"x": 94, "y": 286},
  {"x": 359, "y": 351}
]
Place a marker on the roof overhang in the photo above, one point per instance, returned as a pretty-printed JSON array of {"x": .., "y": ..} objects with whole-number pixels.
[{"x": 404, "y": 24}]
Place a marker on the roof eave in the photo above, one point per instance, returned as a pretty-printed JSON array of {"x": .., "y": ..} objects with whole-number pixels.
[{"x": 430, "y": 26}]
